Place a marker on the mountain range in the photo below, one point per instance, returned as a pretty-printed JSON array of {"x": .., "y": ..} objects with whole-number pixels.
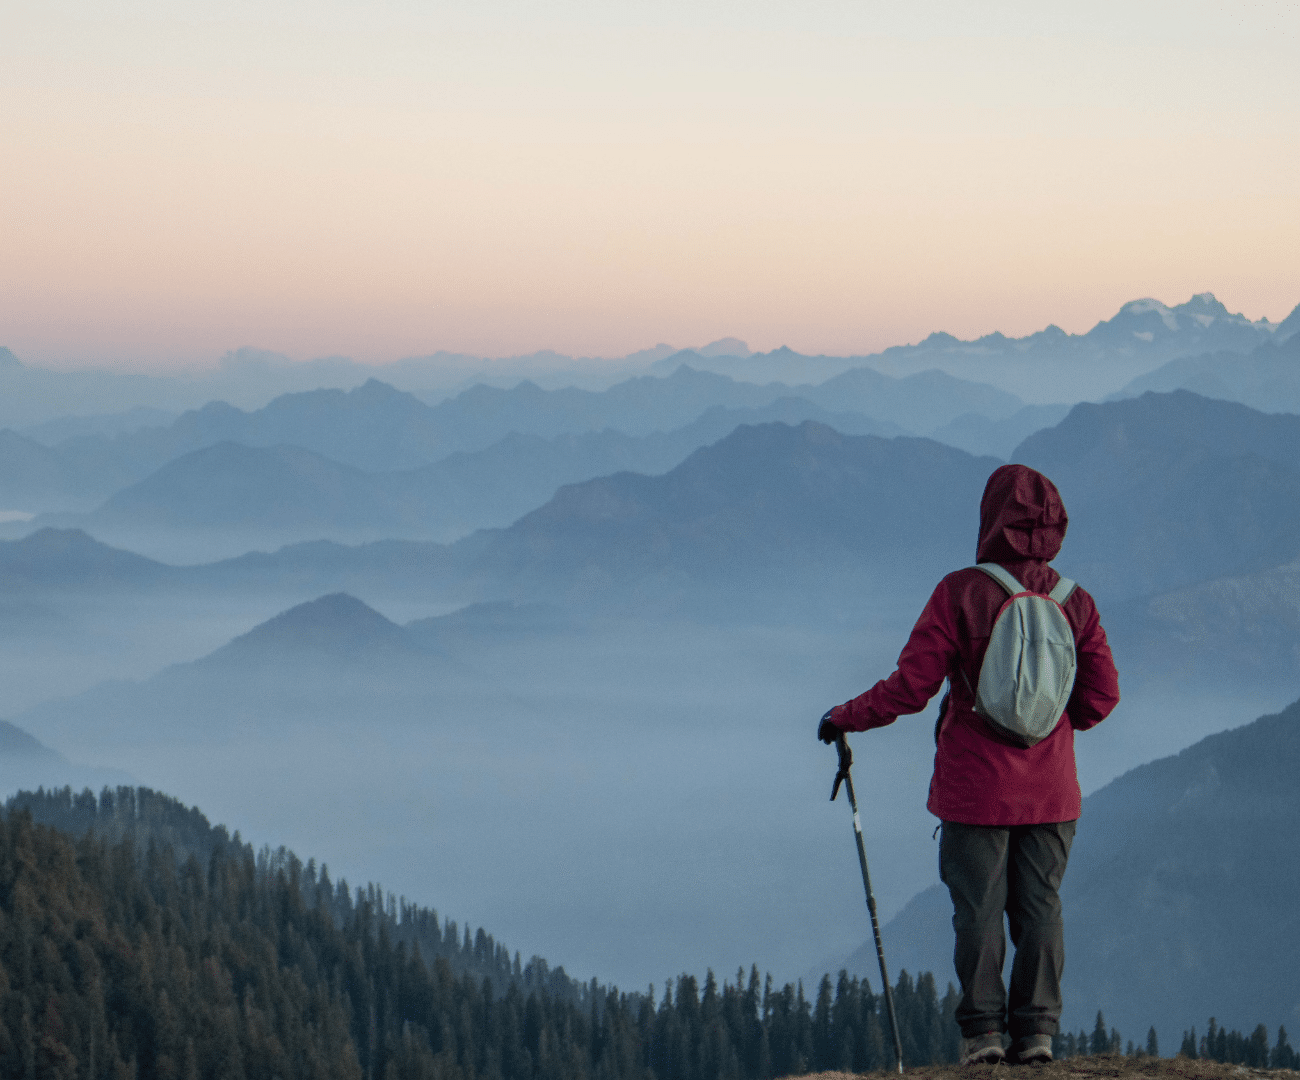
[
  {"x": 1052, "y": 365},
  {"x": 378, "y": 428},
  {"x": 1068, "y": 367},
  {"x": 229, "y": 498},
  {"x": 1165, "y": 491},
  {"x": 1266, "y": 378}
]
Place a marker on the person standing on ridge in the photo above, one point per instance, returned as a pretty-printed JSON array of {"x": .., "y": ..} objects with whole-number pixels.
[{"x": 1008, "y": 803}]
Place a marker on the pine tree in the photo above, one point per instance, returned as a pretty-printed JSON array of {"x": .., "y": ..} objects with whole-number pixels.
[
  {"x": 1188, "y": 1049},
  {"x": 1257, "y": 1048},
  {"x": 1100, "y": 1042},
  {"x": 1283, "y": 1057},
  {"x": 1153, "y": 1043}
]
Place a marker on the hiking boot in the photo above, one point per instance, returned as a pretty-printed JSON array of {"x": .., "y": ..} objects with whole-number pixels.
[
  {"x": 983, "y": 1049},
  {"x": 1032, "y": 1050}
]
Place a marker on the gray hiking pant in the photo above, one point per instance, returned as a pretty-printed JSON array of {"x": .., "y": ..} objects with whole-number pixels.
[{"x": 990, "y": 870}]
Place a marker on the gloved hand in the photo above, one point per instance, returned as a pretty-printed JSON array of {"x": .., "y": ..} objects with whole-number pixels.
[{"x": 826, "y": 731}]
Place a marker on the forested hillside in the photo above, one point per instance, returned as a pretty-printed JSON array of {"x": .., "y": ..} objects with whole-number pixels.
[{"x": 137, "y": 941}]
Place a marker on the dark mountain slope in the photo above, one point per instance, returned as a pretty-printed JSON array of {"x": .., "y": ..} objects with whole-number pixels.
[
  {"x": 1267, "y": 378},
  {"x": 1180, "y": 896},
  {"x": 248, "y": 496},
  {"x": 1197, "y": 852},
  {"x": 797, "y": 502},
  {"x": 1244, "y": 627},
  {"x": 922, "y": 402},
  {"x": 34, "y": 477},
  {"x": 229, "y": 485},
  {"x": 1290, "y": 326},
  {"x": 337, "y": 628},
  {"x": 1169, "y": 489},
  {"x": 67, "y": 560}
]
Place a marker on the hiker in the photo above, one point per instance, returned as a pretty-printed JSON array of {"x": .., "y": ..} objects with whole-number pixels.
[{"x": 1008, "y": 809}]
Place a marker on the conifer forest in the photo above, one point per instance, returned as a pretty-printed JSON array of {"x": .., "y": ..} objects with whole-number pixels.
[{"x": 139, "y": 943}]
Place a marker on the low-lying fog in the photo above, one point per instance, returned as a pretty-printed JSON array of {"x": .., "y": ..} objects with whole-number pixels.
[{"x": 627, "y": 799}]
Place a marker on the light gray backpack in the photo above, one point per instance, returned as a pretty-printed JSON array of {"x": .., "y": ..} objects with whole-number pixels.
[{"x": 1029, "y": 667}]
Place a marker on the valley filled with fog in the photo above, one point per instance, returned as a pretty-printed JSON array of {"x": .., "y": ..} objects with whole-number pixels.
[{"x": 549, "y": 655}]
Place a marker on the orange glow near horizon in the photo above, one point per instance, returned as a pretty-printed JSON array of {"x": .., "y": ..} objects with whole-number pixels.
[{"x": 501, "y": 179}]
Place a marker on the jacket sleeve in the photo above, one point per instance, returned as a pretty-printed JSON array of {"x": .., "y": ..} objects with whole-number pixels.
[
  {"x": 922, "y": 666},
  {"x": 1096, "y": 682}
]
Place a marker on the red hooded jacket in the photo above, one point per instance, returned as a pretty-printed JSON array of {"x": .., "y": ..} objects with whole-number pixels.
[{"x": 980, "y": 778}]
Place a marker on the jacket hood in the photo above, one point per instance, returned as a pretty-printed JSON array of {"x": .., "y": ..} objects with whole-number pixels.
[{"x": 1021, "y": 517}]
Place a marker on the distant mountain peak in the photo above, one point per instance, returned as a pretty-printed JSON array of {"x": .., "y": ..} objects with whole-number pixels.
[
  {"x": 1146, "y": 306},
  {"x": 73, "y": 559},
  {"x": 336, "y": 627},
  {"x": 8, "y": 360},
  {"x": 17, "y": 743},
  {"x": 1290, "y": 326},
  {"x": 377, "y": 390},
  {"x": 727, "y": 346},
  {"x": 1205, "y": 301}
]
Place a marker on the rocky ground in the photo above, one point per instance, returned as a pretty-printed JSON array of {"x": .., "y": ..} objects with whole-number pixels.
[{"x": 1101, "y": 1067}]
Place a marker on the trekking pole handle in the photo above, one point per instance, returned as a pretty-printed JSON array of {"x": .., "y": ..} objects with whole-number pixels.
[{"x": 846, "y": 762}]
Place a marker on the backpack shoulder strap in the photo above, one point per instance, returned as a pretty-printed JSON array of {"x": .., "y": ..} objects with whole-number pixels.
[
  {"x": 1064, "y": 589},
  {"x": 1002, "y": 576}
]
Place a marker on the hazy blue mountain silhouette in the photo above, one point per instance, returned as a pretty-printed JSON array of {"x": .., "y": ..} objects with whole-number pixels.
[
  {"x": 17, "y": 743},
  {"x": 239, "y": 497},
  {"x": 780, "y": 502},
  {"x": 35, "y": 477},
  {"x": 1180, "y": 895},
  {"x": 1290, "y": 326},
  {"x": 978, "y": 434},
  {"x": 1267, "y": 378},
  {"x": 61, "y": 428},
  {"x": 27, "y": 762},
  {"x": 1143, "y": 335},
  {"x": 337, "y": 629},
  {"x": 1235, "y": 628},
  {"x": 315, "y": 664},
  {"x": 782, "y": 365},
  {"x": 378, "y": 428},
  {"x": 70, "y": 561},
  {"x": 802, "y": 503},
  {"x": 1166, "y": 490},
  {"x": 922, "y": 402},
  {"x": 234, "y": 485},
  {"x": 1052, "y": 365}
]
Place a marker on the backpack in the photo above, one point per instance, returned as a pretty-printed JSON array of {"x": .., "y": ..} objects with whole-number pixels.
[{"x": 1028, "y": 669}]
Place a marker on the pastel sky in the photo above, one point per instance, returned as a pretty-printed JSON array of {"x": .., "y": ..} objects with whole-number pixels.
[{"x": 390, "y": 178}]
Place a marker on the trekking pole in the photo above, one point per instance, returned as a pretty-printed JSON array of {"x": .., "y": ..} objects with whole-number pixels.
[{"x": 843, "y": 777}]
